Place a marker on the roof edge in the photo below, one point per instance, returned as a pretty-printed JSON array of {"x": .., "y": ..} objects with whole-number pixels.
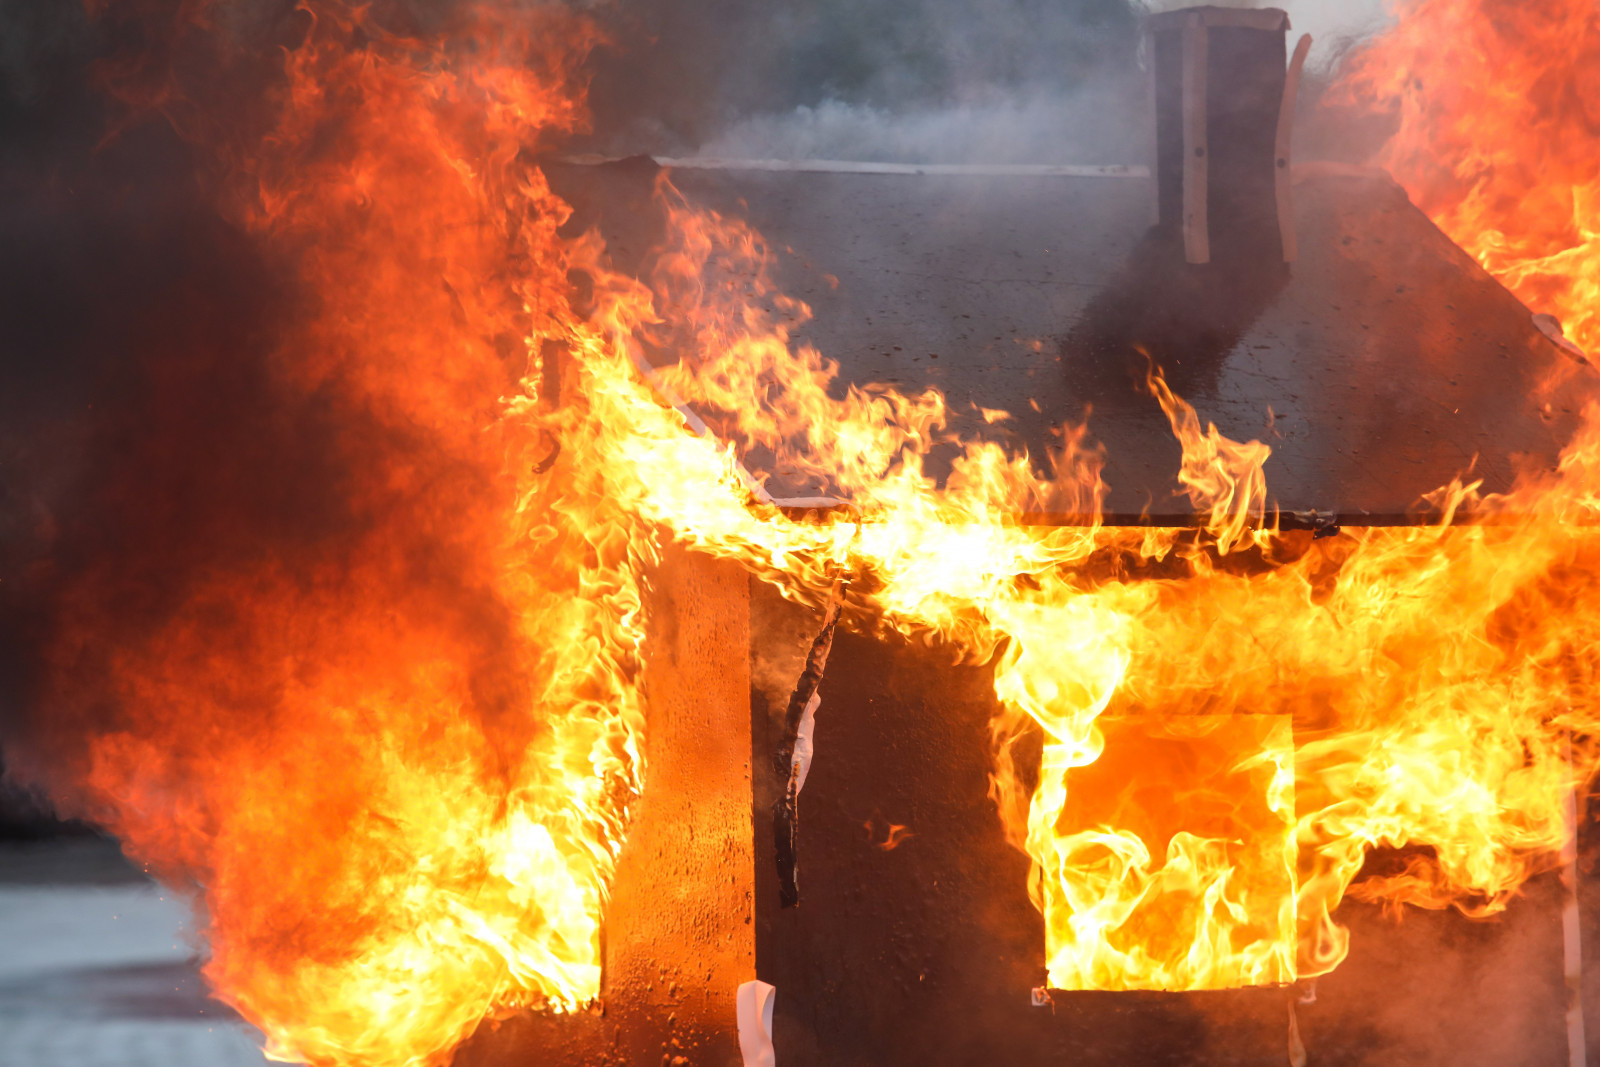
[{"x": 1249, "y": 18}]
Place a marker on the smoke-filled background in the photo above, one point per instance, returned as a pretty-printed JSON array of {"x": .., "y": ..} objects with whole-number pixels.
[{"x": 143, "y": 443}]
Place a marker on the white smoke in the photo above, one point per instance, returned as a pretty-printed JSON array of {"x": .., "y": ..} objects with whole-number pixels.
[
  {"x": 1099, "y": 119},
  {"x": 1331, "y": 23},
  {"x": 1091, "y": 124}
]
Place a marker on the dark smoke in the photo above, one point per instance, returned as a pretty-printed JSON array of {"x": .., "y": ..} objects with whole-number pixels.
[
  {"x": 135, "y": 321},
  {"x": 146, "y": 444}
]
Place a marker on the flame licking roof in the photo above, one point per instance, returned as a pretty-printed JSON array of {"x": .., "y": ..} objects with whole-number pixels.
[{"x": 1385, "y": 363}]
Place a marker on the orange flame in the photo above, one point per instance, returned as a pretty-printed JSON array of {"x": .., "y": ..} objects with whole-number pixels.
[
  {"x": 1498, "y": 105},
  {"x": 420, "y": 827},
  {"x": 894, "y": 834},
  {"x": 1389, "y": 687},
  {"x": 400, "y": 774}
]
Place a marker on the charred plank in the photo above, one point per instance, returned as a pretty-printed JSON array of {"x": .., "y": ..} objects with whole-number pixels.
[{"x": 785, "y": 812}]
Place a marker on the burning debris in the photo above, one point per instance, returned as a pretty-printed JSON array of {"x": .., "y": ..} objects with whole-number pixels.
[
  {"x": 892, "y": 835},
  {"x": 796, "y": 747},
  {"x": 364, "y": 664}
]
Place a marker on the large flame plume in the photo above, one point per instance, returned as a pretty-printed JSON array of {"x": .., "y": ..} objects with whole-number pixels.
[
  {"x": 399, "y": 774},
  {"x": 397, "y": 756},
  {"x": 1498, "y": 105}
]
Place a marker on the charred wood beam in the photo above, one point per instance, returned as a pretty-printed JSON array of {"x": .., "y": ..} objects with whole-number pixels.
[{"x": 785, "y": 812}]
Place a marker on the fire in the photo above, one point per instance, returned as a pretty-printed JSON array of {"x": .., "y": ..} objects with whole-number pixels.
[
  {"x": 399, "y": 775},
  {"x": 1497, "y": 108},
  {"x": 397, "y": 760},
  {"x": 894, "y": 834},
  {"x": 1390, "y": 687}
]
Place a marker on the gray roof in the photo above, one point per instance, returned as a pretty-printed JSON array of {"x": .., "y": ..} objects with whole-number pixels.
[{"x": 1378, "y": 366}]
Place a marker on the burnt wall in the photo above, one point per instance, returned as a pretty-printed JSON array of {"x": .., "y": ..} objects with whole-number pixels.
[{"x": 925, "y": 953}]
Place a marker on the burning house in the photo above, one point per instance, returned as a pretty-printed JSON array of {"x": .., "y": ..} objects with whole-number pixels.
[
  {"x": 1300, "y": 308},
  {"x": 844, "y": 613}
]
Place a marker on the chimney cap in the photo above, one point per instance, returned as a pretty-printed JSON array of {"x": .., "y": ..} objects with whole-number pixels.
[{"x": 1249, "y": 18}]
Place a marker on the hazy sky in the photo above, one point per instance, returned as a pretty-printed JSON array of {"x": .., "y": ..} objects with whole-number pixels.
[{"x": 1325, "y": 20}]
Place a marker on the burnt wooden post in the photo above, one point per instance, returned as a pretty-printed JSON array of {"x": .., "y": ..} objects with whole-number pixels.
[{"x": 1219, "y": 77}]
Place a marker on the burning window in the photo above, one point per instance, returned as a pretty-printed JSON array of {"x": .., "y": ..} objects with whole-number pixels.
[{"x": 1172, "y": 862}]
